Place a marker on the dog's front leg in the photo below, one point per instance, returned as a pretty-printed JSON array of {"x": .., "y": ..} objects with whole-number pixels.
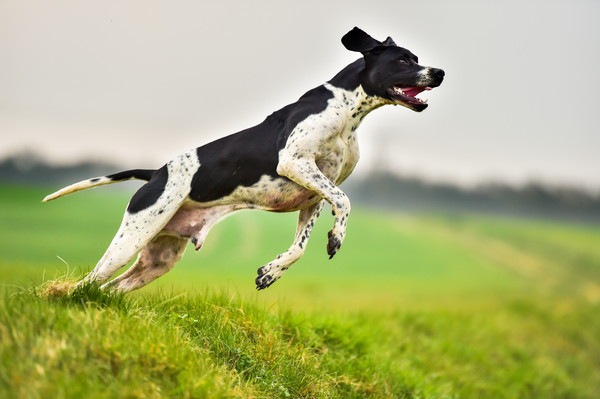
[
  {"x": 306, "y": 173},
  {"x": 272, "y": 271}
]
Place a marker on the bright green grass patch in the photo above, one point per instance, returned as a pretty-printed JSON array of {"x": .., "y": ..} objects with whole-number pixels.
[
  {"x": 98, "y": 345},
  {"x": 412, "y": 306},
  {"x": 101, "y": 348}
]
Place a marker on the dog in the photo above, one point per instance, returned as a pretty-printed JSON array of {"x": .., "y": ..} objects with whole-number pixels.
[{"x": 293, "y": 161}]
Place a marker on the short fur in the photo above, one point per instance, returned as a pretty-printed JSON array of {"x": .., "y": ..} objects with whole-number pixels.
[{"x": 293, "y": 161}]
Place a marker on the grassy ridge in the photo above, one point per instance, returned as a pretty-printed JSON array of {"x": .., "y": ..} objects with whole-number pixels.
[
  {"x": 215, "y": 346},
  {"x": 415, "y": 307}
]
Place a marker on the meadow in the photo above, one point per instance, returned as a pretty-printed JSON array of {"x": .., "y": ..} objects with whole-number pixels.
[{"x": 413, "y": 306}]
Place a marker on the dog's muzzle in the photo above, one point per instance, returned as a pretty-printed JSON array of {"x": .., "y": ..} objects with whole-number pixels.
[{"x": 407, "y": 96}]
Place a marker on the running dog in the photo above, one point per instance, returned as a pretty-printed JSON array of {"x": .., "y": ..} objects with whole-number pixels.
[{"x": 293, "y": 161}]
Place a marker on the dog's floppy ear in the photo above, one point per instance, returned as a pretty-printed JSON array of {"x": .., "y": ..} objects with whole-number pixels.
[{"x": 358, "y": 40}]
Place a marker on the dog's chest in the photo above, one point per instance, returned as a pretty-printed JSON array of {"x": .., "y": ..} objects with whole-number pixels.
[{"x": 329, "y": 137}]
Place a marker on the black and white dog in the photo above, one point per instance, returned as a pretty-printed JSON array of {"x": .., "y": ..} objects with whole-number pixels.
[{"x": 293, "y": 161}]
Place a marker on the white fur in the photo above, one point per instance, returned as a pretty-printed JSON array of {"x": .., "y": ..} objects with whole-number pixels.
[
  {"x": 425, "y": 77},
  {"x": 82, "y": 185}
]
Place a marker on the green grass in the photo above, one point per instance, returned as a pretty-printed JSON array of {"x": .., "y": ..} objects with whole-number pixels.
[{"x": 428, "y": 306}]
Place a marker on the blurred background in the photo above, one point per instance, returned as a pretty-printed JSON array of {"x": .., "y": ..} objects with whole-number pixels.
[
  {"x": 506, "y": 154},
  {"x": 134, "y": 83}
]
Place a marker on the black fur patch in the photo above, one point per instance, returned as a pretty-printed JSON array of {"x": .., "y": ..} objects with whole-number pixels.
[
  {"x": 149, "y": 193},
  {"x": 140, "y": 174},
  {"x": 242, "y": 158}
]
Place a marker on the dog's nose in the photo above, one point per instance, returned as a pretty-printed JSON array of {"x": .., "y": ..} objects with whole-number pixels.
[{"x": 438, "y": 73}]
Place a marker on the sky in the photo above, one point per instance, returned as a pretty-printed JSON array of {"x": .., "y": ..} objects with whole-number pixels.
[{"x": 137, "y": 82}]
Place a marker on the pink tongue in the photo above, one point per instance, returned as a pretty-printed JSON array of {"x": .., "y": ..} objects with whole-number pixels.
[{"x": 413, "y": 91}]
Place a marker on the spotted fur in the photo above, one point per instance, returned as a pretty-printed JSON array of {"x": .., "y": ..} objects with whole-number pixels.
[{"x": 293, "y": 161}]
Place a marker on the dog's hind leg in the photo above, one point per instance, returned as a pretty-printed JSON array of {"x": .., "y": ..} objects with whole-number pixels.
[
  {"x": 149, "y": 210},
  {"x": 156, "y": 259},
  {"x": 166, "y": 248},
  {"x": 136, "y": 231},
  {"x": 272, "y": 271}
]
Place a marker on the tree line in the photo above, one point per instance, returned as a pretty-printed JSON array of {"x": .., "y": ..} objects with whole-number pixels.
[{"x": 380, "y": 189}]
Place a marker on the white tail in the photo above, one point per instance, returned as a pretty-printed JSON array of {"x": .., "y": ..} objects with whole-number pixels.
[
  {"x": 139, "y": 174},
  {"x": 82, "y": 185}
]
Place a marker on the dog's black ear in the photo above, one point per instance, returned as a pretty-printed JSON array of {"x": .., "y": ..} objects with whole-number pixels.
[
  {"x": 389, "y": 42},
  {"x": 358, "y": 40}
]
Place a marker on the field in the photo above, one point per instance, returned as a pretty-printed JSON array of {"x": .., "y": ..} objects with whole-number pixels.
[{"x": 413, "y": 306}]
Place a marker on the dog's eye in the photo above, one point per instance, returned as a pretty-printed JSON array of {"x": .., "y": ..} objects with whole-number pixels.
[{"x": 403, "y": 61}]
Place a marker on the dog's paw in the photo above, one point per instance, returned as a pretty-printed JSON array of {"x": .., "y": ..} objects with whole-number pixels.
[
  {"x": 266, "y": 276},
  {"x": 264, "y": 281},
  {"x": 264, "y": 270},
  {"x": 333, "y": 244}
]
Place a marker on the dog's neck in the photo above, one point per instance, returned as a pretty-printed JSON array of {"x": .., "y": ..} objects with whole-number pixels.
[
  {"x": 347, "y": 89},
  {"x": 356, "y": 102}
]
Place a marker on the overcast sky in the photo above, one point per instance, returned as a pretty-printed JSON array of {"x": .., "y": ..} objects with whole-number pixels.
[{"x": 137, "y": 82}]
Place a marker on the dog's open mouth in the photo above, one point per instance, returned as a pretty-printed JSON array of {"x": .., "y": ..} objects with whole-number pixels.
[{"x": 407, "y": 96}]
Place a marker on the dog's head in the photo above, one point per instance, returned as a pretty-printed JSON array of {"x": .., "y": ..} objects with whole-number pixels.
[{"x": 392, "y": 72}]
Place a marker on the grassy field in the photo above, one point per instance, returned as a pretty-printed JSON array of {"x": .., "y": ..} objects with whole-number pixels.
[{"x": 425, "y": 306}]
